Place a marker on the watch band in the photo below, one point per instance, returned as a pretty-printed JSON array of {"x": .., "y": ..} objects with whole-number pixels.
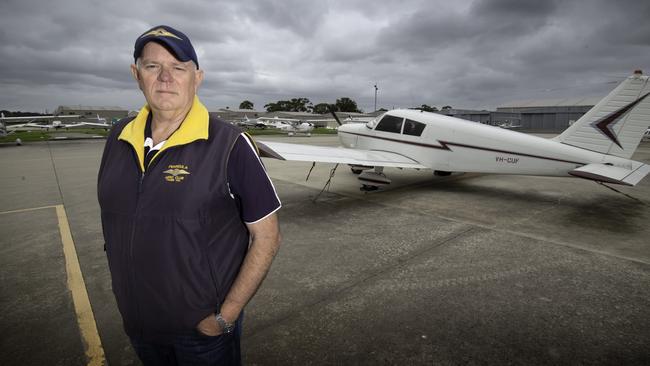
[{"x": 226, "y": 327}]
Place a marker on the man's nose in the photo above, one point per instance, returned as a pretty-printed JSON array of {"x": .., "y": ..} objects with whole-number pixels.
[{"x": 165, "y": 74}]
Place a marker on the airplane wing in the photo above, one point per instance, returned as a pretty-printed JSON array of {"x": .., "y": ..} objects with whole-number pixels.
[
  {"x": 90, "y": 125},
  {"x": 278, "y": 119},
  {"x": 326, "y": 154},
  {"x": 613, "y": 174},
  {"x": 35, "y": 118},
  {"x": 35, "y": 125}
]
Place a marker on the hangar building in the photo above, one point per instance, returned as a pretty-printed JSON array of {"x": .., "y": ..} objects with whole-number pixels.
[
  {"x": 111, "y": 113},
  {"x": 534, "y": 115},
  {"x": 485, "y": 117},
  {"x": 549, "y": 115}
]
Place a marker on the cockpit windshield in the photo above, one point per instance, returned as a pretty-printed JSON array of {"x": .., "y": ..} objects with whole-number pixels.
[
  {"x": 390, "y": 124},
  {"x": 394, "y": 124},
  {"x": 372, "y": 123}
]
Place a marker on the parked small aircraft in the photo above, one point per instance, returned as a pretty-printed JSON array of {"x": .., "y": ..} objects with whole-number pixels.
[
  {"x": 251, "y": 123},
  {"x": 289, "y": 125},
  {"x": 31, "y": 124},
  {"x": 597, "y": 147},
  {"x": 508, "y": 125}
]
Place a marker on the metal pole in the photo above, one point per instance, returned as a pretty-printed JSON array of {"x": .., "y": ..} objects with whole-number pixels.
[{"x": 376, "y": 97}]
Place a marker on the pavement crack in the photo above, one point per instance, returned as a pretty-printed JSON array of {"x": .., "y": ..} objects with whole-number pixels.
[{"x": 371, "y": 275}]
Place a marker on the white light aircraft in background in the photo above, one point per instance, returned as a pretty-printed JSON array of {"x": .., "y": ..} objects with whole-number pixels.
[
  {"x": 289, "y": 125},
  {"x": 56, "y": 123},
  {"x": 597, "y": 147},
  {"x": 251, "y": 123}
]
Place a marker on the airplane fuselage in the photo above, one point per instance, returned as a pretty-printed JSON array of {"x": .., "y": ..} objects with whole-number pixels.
[{"x": 452, "y": 144}]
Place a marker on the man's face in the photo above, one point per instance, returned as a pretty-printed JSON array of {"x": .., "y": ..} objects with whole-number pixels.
[{"x": 167, "y": 84}]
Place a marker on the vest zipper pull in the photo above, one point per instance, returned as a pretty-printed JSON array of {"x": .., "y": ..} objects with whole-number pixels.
[{"x": 140, "y": 185}]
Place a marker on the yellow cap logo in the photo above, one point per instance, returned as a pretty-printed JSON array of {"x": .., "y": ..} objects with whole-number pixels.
[{"x": 160, "y": 32}]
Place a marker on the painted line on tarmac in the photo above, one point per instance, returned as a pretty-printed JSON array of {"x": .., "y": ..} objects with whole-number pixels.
[{"x": 85, "y": 317}]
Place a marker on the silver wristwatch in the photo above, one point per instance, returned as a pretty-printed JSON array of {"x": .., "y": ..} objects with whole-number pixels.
[{"x": 226, "y": 327}]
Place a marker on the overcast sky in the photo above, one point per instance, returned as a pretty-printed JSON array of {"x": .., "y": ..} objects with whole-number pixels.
[{"x": 467, "y": 54}]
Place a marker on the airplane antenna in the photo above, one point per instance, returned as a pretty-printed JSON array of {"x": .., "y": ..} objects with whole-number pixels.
[
  {"x": 376, "y": 88},
  {"x": 327, "y": 184}
]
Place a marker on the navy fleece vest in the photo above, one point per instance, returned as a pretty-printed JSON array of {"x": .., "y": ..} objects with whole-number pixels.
[{"x": 174, "y": 237}]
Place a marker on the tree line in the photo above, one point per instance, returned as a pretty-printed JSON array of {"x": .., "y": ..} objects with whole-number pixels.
[
  {"x": 344, "y": 104},
  {"x": 428, "y": 108}
]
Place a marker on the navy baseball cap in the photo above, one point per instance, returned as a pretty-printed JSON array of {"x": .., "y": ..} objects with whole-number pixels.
[{"x": 176, "y": 42}]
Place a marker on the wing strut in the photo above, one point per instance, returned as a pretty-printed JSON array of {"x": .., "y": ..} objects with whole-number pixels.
[
  {"x": 313, "y": 164},
  {"x": 327, "y": 184}
]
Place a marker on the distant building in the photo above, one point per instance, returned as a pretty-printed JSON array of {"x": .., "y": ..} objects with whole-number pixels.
[
  {"x": 549, "y": 115},
  {"x": 91, "y": 112},
  {"x": 485, "y": 117},
  {"x": 538, "y": 115},
  {"x": 233, "y": 115}
]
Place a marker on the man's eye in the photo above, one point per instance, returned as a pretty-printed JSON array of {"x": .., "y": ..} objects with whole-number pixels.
[
  {"x": 151, "y": 67},
  {"x": 180, "y": 68}
]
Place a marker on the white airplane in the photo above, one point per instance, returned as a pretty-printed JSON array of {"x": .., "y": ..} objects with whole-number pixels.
[
  {"x": 56, "y": 124},
  {"x": 597, "y": 147},
  {"x": 289, "y": 125},
  {"x": 251, "y": 123},
  {"x": 31, "y": 125},
  {"x": 101, "y": 123},
  {"x": 508, "y": 125},
  {"x": 29, "y": 119},
  {"x": 27, "y": 123}
]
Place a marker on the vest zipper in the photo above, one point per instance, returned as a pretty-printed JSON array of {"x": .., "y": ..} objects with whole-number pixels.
[{"x": 131, "y": 244}]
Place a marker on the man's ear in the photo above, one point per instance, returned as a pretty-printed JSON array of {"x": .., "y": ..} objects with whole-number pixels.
[
  {"x": 198, "y": 79},
  {"x": 136, "y": 74}
]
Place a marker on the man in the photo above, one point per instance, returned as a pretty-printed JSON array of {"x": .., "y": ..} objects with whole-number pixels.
[{"x": 188, "y": 214}]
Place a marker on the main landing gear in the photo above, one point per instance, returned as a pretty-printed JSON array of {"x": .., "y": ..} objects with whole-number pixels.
[{"x": 371, "y": 180}]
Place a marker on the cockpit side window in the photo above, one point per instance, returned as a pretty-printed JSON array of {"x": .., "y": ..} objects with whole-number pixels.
[
  {"x": 413, "y": 128},
  {"x": 390, "y": 124}
]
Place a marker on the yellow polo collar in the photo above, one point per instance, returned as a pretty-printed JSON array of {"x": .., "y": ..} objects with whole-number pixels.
[{"x": 194, "y": 127}]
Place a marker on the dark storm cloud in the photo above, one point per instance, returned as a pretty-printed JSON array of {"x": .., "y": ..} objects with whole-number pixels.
[
  {"x": 484, "y": 25},
  {"x": 300, "y": 17},
  {"x": 473, "y": 54}
]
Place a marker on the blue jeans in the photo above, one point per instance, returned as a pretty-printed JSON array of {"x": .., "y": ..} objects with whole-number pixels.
[{"x": 197, "y": 349}]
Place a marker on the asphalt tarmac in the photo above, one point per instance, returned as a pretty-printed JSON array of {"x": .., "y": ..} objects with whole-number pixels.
[{"x": 463, "y": 270}]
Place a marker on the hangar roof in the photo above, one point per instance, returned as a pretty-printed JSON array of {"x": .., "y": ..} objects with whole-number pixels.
[
  {"x": 559, "y": 102},
  {"x": 89, "y": 108}
]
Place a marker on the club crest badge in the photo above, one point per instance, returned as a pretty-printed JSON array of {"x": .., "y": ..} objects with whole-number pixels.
[{"x": 176, "y": 173}]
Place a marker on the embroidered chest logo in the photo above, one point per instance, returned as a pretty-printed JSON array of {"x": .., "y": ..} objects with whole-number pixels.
[{"x": 176, "y": 173}]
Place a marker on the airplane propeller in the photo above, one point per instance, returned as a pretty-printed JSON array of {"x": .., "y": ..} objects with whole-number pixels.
[{"x": 334, "y": 114}]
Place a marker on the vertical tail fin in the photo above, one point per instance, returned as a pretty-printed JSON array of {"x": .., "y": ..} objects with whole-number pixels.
[{"x": 616, "y": 124}]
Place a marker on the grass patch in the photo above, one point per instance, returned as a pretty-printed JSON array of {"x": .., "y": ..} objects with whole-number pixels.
[{"x": 26, "y": 136}]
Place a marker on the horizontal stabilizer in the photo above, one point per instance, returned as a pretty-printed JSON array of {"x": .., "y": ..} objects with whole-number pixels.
[
  {"x": 613, "y": 174},
  {"x": 325, "y": 154}
]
